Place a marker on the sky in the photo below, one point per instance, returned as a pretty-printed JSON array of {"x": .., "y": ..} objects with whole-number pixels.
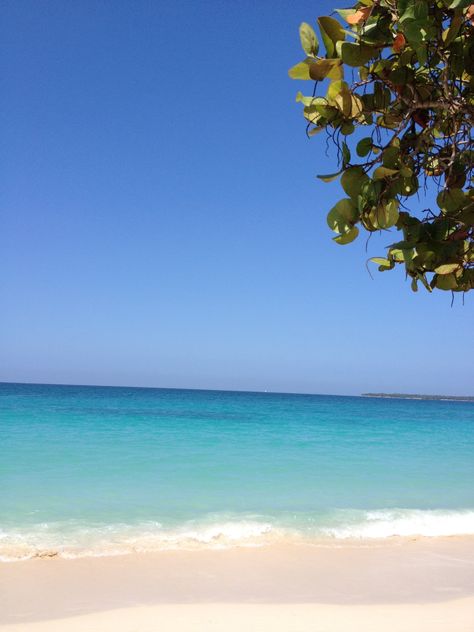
[{"x": 161, "y": 223}]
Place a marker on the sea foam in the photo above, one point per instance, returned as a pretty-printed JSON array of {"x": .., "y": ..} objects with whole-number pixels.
[
  {"x": 405, "y": 523},
  {"x": 67, "y": 541},
  {"x": 57, "y": 540}
]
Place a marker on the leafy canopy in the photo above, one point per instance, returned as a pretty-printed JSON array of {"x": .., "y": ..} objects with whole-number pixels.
[{"x": 395, "y": 93}]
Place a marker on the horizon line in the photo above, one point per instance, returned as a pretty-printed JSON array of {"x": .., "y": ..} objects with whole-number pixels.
[
  {"x": 366, "y": 395},
  {"x": 175, "y": 388}
]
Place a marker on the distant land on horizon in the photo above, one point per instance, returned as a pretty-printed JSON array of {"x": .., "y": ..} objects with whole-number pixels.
[{"x": 458, "y": 398}]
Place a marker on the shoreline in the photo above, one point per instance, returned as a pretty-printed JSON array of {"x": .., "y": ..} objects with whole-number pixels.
[
  {"x": 349, "y": 528},
  {"x": 274, "y": 542},
  {"x": 433, "y": 572}
]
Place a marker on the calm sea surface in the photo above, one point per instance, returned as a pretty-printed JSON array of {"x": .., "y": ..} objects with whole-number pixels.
[{"x": 108, "y": 470}]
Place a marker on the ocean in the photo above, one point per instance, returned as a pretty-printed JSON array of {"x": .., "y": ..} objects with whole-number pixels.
[{"x": 88, "y": 470}]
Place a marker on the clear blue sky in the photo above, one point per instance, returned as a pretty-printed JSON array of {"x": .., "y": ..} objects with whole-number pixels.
[{"x": 161, "y": 222}]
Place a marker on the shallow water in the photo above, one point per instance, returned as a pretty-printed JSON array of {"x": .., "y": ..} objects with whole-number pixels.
[{"x": 107, "y": 470}]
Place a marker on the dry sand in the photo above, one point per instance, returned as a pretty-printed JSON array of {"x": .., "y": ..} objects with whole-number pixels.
[{"x": 425, "y": 585}]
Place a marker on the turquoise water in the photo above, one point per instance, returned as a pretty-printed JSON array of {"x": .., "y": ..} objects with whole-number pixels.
[{"x": 106, "y": 470}]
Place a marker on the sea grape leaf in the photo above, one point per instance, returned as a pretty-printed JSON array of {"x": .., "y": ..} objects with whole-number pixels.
[
  {"x": 309, "y": 40},
  {"x": 381, "y": 261},
  {"x": 322, "y": 68},
  {"x": 347, "y": 237},
  {"x": 352, "y": 180},
  {"x": 364, "y": 146},
  {"x": 384, "y": 172},
  {"x": 451, "y": 200},
  {"x": 445, "y": 281},
  {"x": 447, "y": 268},
  {"x": 355, "y": 54},
  {"x": 330, "y": 177},
  {"x": 331, "y": 32},
  {"x": 342, "y": 216},
  {"x": 384, "y": 215},
  {"x": 301, "y": 70}
]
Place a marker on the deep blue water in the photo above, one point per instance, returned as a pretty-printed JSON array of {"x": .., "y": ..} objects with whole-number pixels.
[{"x": 88, "y": 467}]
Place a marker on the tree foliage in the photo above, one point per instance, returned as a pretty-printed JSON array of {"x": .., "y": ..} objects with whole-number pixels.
[{"x": 394, "y": 91}]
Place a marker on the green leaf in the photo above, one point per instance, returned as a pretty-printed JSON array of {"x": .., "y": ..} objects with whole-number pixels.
[
  {"x": 330, "y": 177},
  {"x": 422, "y": 278},
  {"x": 389, "y": 120},
  {"x": 406, "y": 10},
  {"x": 355, "y": 54},
  {"x": 382, "y": 97},
  {"x": 408, "y": 186},
  {"x": 344, "y": 13},
  {"x": 403, "y": 245},
  {"x": 363, "y": 73},
  {"x": 304, "y": 100},
  {"x": 331, "y": 32},
  {"x": 416, "y": 32},
  {"x": 322, "y": 68},
  {"x": 346, "y": 154},
  {"x": 398, "y": 254},
  {"x": 357, "y": 105},
  {"x": 406, "y": 172},
  {"x": 392, "y": 213},
  {"x": 327, "y": 111},
  {"x": 364, "y": 146},
  {"x": 411, "y": 10},
  {"x": 401, "y": 76},
  {"x": 447, "y": 268},
  {"x": 340, "y": 95},
  {"x": 460, "y": 4},
  {"x": 451, "y": 33},
  {"x": 384, "y": 172},
  {"x": 451, "y": 200},
  {"x": 335, "y": 88},
  {"x": 311, "y": 114},
  {"x": 445, "y": 282},
  {"x": 390, "y": 157},
  {"x": 347, "y": 129},
  {"x": 342, "y": 216},
  {"x": 381, "y": 261},
  {"x": 347, "y": 237},
  {"x": 422, "y": 54},
  {"x": 309, "y": 40},
  {"x": 384, "y": 215},
  {"x": 301, "y": 70},
  {"x": 352, "y": 180},
  {"x": 421, "y": 10},
  {"x": 375, "y": 32}
]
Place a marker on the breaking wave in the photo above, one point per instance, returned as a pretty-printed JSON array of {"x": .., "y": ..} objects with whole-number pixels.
[{"x": 72, "y": 539}]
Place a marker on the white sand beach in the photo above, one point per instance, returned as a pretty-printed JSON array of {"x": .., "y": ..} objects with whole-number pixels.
[{"x": 424, "y": 585}]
